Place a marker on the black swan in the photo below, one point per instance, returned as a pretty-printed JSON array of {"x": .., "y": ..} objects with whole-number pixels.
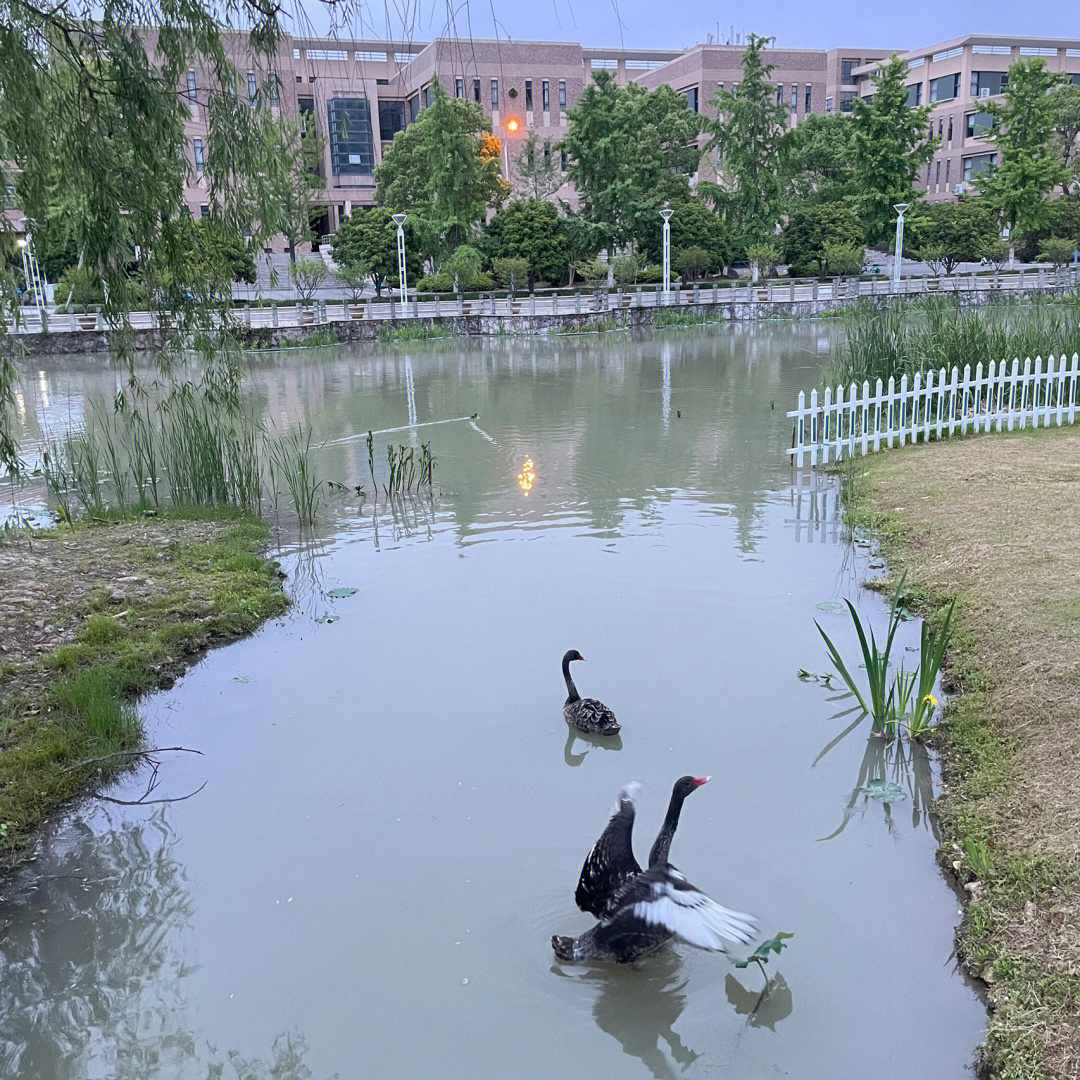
[
  {"x": 586, "y": 714},
  {"x": 612, "y": 861},
  {"x": 652, "y": 906}
]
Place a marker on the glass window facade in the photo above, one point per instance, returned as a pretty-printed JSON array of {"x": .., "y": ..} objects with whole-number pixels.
[
  {"x": 977, "y": 164},
  {"x": 352, "y": 149},
  {"x": 391, "y": 119},
  {"x": 988, "y": 83},
  {"x": 945, "y": 88}
]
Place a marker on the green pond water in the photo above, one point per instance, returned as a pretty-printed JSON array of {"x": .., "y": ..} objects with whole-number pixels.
[{"x": 394, "y": 817}]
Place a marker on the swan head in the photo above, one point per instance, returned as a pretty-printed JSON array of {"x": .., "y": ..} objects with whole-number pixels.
[
  {"x": 686, "y": 784},
  {"x": 573, "y": 654}
]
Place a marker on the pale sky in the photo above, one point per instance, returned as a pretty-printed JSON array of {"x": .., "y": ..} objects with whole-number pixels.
[{"x": 676, "y": 24}]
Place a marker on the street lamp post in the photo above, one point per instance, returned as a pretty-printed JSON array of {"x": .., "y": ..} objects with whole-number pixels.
[
  {"x": 399, "y": 221},
  {"x": 512, "y": 126},
  {"x": 899, "y": 255},
  {"x": 666, "y": 215}
]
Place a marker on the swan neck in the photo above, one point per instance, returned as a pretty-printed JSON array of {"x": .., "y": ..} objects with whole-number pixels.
[
  {"x": 662, "y": 846},
  {"x": 571, "y": 689}
]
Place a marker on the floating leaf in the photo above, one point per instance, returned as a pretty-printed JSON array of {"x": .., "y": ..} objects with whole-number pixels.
[
  {"x": 327, "y": 618},
  {"x": 885, "y": 790},
  {"x": 761, "y": 954},
  {"x": 831, "y": 605},
  {"x": 242, "y": 678},
  {"x": 337, "y": 594}
]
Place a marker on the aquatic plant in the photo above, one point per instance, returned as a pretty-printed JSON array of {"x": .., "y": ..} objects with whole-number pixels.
[
  {"x": 409, "y": 470},
  {"x": 907, "y": 698},
  {"x": 902, "y": 338},
  {"x": 290, "y": 461},
  {"x": 414, "y": 332},
  {"x": 760, "y": 955}
]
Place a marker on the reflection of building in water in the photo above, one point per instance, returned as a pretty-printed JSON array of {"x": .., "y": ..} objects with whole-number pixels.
[{"x": 818, "y": 513}]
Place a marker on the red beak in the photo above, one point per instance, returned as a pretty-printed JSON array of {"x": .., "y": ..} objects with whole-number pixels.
[
  {"x": 580, "y": 657},
  {"x": 699, "y": 780}
]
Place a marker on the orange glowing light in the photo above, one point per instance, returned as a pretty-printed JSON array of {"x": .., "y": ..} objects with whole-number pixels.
[
  {"x": 511, "y": 125},
  {"x": 527, "y": 476}
]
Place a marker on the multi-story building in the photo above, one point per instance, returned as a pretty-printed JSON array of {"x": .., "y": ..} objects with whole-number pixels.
[
  {"x": 957, "y": 79},
  {"x": 360, "y": 93}
]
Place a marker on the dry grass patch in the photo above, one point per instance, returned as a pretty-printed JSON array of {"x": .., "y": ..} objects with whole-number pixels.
[{"x": 995, "y": 522}]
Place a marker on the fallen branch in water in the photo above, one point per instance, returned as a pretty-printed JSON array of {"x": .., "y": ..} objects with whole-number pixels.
[
  {"x": 131, "y": 753},
  {"x": 144, "y": 801}
]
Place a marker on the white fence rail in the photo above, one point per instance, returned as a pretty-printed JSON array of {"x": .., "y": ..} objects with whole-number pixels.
[{"x": 845, "y": 422}]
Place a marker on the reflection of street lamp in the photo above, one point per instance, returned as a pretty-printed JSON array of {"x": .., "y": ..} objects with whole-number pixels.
[
  {"x": 399, "y": 221},
  {"x": 666, "y": 215},
  {"x": 899, "y": 207}
]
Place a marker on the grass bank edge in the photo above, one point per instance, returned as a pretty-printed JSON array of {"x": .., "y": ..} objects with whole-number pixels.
[
  {"x": 976, "y": 758},
  {"x": 76, "y": 702}
]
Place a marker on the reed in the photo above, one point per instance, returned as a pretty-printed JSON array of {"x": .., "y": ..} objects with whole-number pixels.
[
  {"x": 291, "y": 463},
  {"x": 414, "y": 332},
  {"x": 933, "y": 332}
]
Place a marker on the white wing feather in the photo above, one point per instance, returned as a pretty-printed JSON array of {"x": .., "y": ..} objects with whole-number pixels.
[
  {"x": 692, "y": 917},
  {"x": 628, "y": 793}
]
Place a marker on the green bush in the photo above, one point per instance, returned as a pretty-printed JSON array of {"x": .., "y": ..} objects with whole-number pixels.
[
  {"x": 693, "y": 262},
  {"x": 1057, "y": 250},
  {"x": 463, "y": 266},
  {"x": 651, "y": 274},
  {"x": 593, "y": 273},
  {"x": 438, "y": 282},
  {"x": 809, "y": 228},
  {"x": 81, "y": 287},
  {"x": 626, "y": 269},
  {"x": 839, "y": 259},
  {"x": 511, "y": 272},
  {"x": 533, "y": 230},
  {"x": 766, "y": 256}
]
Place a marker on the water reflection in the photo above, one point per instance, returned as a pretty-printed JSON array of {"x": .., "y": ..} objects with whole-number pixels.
[
  {"x": 640, "y": 1007},
  {"x": 603, "y": 742},
  {"x": 762, "y": 1008}
]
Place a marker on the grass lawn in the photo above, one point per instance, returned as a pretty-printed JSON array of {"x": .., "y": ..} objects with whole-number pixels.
[
  {"x": 995, "y": 522},
  {"x": 96, "y": 613}
]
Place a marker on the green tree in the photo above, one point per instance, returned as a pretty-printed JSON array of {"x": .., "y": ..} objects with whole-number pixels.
[
  {"x": 747, "y": 137},
  {"x": 533, "y": 230},
  {"x": 948, "y": 233},
  {"x": 890, "y": 144},
  {"x": 537, "y": 174},
  {"x": 366, "y": 241},
  {"x": 809, "y": 227},
  {"x": 1065, "y": 99},
  {"x": 693, "y": 224},
  {"x": 463, "y": 266},
  {"x": 93, "y": 128},
  {"x": 817, "y": 160},
  {"x": 512, "y": 271},
  {"x": 444, "y": 171},
  {"x": 629, "y": 150},
  {"x": 840, "y": 259},
  {"x": 1029, "y": 164},
  {"x": 1057, "y": 250},
  {"x": 693, "y": 262}
]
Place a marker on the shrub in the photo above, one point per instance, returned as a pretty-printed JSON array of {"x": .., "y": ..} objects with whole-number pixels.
[
  {"x": 627, "y": 269},
  {"x": 592, "y": 273},
  {"x": 810, "y": 227},
  {"x": 511, "y": 271},
  {"x": 692, "y": 263},
  {"x": 440, "y": 281},
  {"x": 1057, "y": 250},
  {"x": 531, "y": 229},
  {"x": 842, "y": 260},
  {"x": 651, "y": 274},
  {"x": 307, "y": 275},
  {"x": 463, "y": 266},
  {"x": 765, "y": 257},
  {"x": 352, "y": 280},
  {"x": 79, "y": 286}
]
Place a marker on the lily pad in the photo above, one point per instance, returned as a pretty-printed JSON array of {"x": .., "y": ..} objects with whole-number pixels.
[
  {"x": 327, "y": 618},
  {"x": 885, "y": 790},
  {"x": 761, "y": 954},
  {"x": 337, "y": 594},
  {"x": 831, "y": 605}
]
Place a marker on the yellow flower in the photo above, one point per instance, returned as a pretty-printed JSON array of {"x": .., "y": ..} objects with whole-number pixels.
[{"x": 930, "y": 697}]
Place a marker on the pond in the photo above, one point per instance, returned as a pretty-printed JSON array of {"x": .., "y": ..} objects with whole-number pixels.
[{"x": 394, "y": 818}]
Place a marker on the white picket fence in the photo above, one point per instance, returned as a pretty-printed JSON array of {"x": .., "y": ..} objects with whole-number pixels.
[{"x": 844, "y": 422}]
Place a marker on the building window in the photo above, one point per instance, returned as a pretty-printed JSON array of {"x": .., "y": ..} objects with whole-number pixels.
[
  {"x": 977, "y": 125},
  {"x": 846, "y": 99},
  {"x": 197, "y": 149},
  {"x": 494, "y": 93},
  {"x": 847, "y": 71},
  {"x": 352, "y": 149},
  {"x": 391, "y": 119},
  {"x": 562, "y": 93},
  {"x": 691, "y": 95},
  {"x": 562, "y": 160},
  {"x": 547, "y": 153},
  {"x": 918, "y": 62},
  {"x": 476, "y": 91},
  {"x": 425, "y": 95},
  {"x": 1037, "y": 50},
  {"x": 809, "y": 102},
  {"x": 253, "y": 87},
  {"x": 780, "y": 95},
  {"x": 794, "y": 97},
  {"x": 191, "y": 93},
  {"x": 947, "y": 54},
  {"x": 914, "y": 95},
  {"x": 412, "y": 105},
  {"x": 940, "y": 126},
  {"x": 272, "y": 88},
  {"x": 374, "y": 57},
  {"x": 988, "y": 83},
  {"x": 937, "y": 172},
  {"x": 607, "y": 65},
  {"x": 992, "y": 50},
  {"x": 459, "y": 88},
  {"x": 948, "y": 169},
  {"x": 545, "y": 95},
  {"x": 945, "y": 88},
  {"x": 828, "y": 104},
  {"x": 977, "y": 164},
  {"x": 528, "y": 95}
]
